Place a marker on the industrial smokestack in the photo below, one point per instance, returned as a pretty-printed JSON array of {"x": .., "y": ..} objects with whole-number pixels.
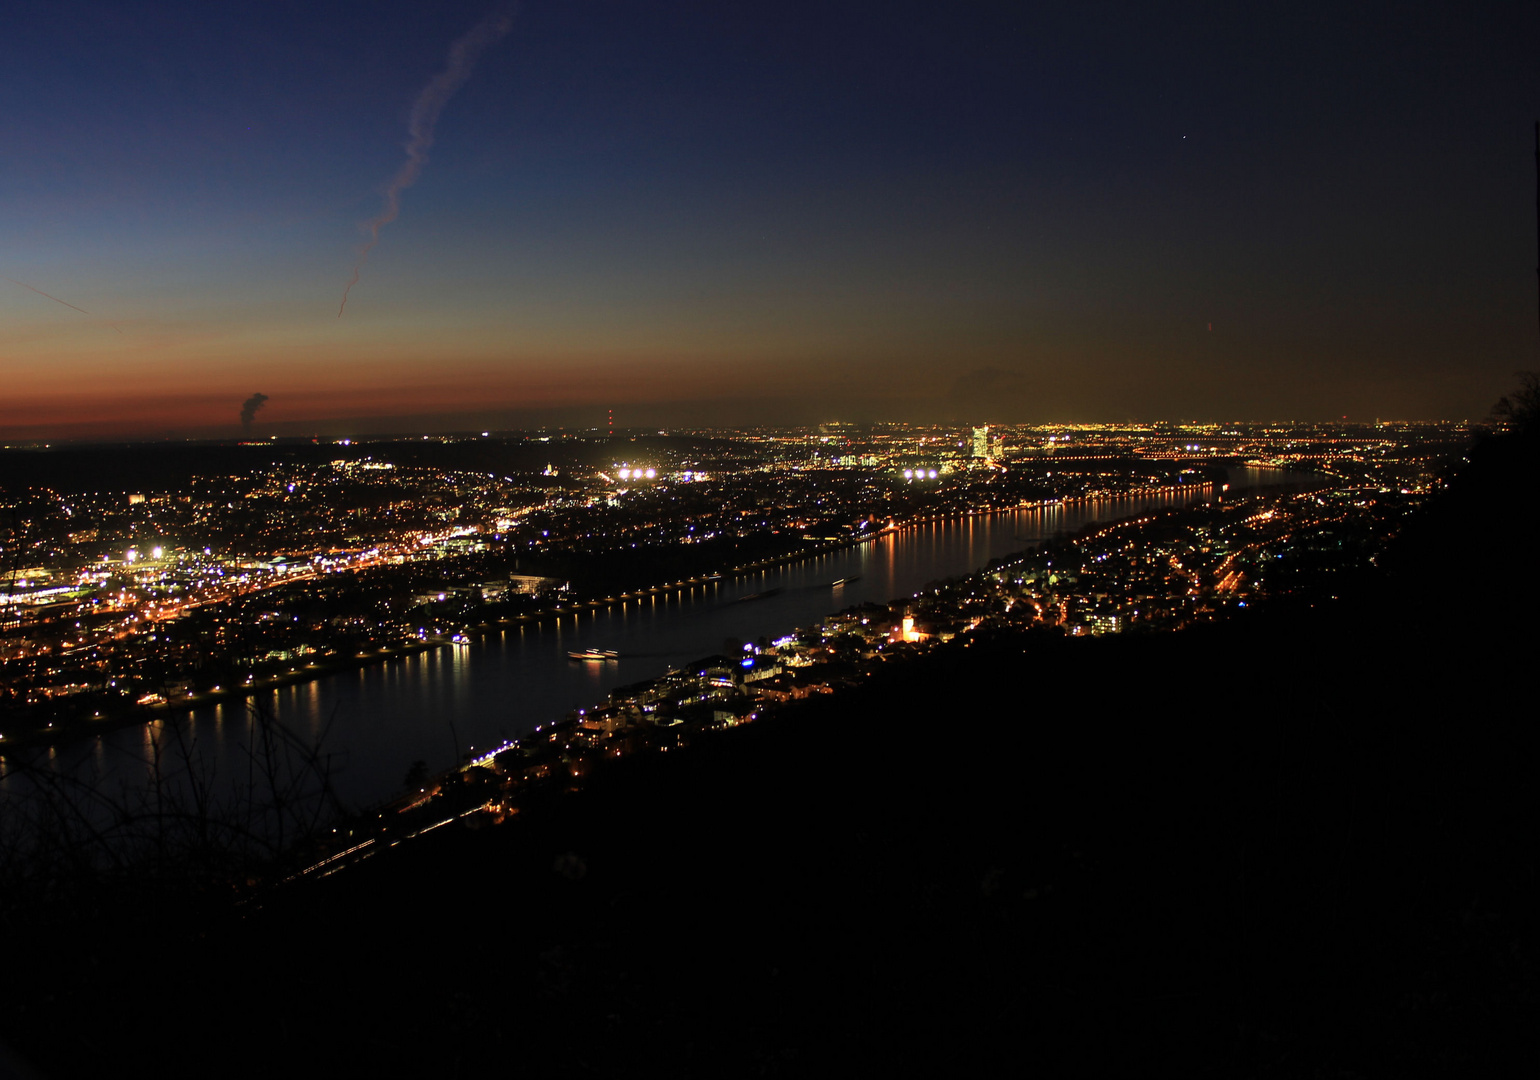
[{"x": 249, "y": 410}]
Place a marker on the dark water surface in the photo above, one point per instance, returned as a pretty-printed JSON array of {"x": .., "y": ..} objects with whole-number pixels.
[{"x": 444, "y": 702}]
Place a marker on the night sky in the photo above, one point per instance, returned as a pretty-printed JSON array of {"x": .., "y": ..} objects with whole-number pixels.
[{"x": 722, "y": 213}]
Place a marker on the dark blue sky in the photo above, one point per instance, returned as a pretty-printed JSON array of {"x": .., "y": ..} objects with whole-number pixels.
[{"x": 697, "y": 211}]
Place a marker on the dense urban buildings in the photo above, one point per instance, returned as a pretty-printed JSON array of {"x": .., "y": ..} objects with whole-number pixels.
[{"x": 263, "y": 563}]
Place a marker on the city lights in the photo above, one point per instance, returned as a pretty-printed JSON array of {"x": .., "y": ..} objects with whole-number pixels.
[{"x": 236, "y": 557}]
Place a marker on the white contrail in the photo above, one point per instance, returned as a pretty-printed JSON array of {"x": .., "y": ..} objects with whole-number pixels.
[{"x": 424, "y": 115}]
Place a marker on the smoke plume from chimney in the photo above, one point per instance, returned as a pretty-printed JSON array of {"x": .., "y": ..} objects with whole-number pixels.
[{"x": 249, "y": 410}]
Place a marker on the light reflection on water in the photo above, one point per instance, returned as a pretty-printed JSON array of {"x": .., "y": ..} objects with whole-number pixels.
[{"x": 380, "y": 719}]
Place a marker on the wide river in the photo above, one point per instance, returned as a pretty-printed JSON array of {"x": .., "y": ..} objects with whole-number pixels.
[{"x": 443, "y": 702}]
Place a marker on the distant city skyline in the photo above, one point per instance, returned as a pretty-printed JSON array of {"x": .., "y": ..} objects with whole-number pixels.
[{"x": 697, "y": 215}]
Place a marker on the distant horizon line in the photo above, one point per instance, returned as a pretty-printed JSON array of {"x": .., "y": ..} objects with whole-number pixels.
[{"x": 30, "y": 442}]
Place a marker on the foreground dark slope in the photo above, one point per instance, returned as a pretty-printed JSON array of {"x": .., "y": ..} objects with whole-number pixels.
[{"x": 1297, "y": 844}]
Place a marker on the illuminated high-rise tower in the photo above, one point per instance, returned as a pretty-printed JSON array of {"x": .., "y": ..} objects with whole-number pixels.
[{"x": 980, "y": 442}]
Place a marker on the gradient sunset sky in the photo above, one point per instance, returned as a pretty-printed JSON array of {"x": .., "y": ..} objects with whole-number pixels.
[{"x": 699, "y": 212}]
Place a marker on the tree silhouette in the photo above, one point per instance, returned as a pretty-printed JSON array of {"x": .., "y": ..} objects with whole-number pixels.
[
  {"x": 416, "y": 776},
  {"x": 1520, "y": 409}
]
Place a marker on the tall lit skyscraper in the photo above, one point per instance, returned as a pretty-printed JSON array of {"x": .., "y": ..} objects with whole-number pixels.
[{"x": 980, "y": 442}]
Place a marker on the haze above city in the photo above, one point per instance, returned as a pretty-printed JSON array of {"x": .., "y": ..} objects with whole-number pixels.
[{"x": 698, "y": 214}]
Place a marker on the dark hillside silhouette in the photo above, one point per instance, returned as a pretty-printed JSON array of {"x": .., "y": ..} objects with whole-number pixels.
[{"x": 1471, "y": 556}]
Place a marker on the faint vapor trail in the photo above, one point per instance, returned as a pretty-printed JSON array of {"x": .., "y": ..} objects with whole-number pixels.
[
  {"x": 424, "y": 115},
  {"x": 55, "y": 299},
  {"x": 40, "y": 292}
]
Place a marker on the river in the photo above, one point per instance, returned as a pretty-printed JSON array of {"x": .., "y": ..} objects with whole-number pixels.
[{"x": 436, "y": 705}]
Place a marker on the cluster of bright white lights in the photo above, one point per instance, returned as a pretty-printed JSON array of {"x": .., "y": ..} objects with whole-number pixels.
[
  {"x": 919, "y": 474},
  {"x": 638, "y": 474}
]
